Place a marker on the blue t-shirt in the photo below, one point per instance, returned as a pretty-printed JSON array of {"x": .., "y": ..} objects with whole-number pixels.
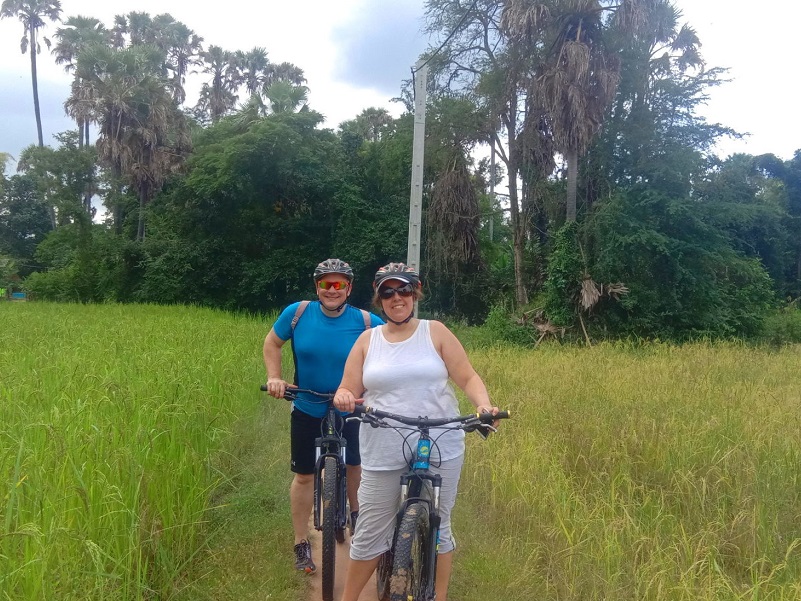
[{"x": 322, "y": 345}]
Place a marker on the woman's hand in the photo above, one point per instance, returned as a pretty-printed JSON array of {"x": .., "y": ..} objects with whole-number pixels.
[
  {"x": 489, "y": 409},
  {"x": 344, "y": 400},
  {"x": 276, "y": 387}
]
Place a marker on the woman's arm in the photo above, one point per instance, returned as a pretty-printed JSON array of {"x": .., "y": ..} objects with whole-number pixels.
[
  {"x": 459, "y": 367},
  {"x": 351, "y": 387}
]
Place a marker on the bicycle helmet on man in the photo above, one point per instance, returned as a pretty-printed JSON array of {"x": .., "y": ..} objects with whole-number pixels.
[{"x": 333, "y": 266}]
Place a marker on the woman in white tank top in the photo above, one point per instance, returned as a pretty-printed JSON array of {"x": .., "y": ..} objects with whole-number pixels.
[{"x": 404, "y": 367}]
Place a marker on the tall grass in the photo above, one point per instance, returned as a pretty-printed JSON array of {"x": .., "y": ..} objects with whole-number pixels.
[
  {"x": 112, "y": 419},
  {"x": 660, "y": 472},
  {"x": 137, "y": 461}
]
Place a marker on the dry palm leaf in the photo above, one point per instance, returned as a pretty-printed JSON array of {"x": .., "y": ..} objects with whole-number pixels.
[{"x": 590, "y": 293}]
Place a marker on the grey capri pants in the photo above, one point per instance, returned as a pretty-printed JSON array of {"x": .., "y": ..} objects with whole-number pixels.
[{"x": 379, "y": 496}]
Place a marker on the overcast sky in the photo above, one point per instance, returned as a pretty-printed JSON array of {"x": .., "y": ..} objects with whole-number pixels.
[{"x": 356, "y": 53}]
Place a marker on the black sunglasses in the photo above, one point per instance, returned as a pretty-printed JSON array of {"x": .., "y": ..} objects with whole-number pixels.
[{"x": 387, "y": 293}]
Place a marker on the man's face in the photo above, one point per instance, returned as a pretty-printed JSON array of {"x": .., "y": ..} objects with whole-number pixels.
[{"x": 327, "y": 292}]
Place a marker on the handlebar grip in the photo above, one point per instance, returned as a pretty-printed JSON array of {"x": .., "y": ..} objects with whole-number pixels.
[
  {"x": 488, "y": 418},
  {"x": 289, "y": 393}
]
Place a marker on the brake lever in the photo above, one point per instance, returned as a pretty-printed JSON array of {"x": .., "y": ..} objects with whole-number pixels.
[{"x": 484, "y": 430}]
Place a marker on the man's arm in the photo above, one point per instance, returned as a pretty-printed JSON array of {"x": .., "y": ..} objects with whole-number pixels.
[{"x": 272, "y": 363}]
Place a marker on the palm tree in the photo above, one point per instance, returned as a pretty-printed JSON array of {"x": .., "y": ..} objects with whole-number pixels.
[
  {"x": 179, "y": 44},
  {"x": 284, "y": 72},
  {"x": 142, "y": 135},
  {"x": 78, "y": 34},
  {"x": 577, "y": 84},
  {"x": 370, "y": 124},
  {"x": 32, "y": 14},
  {"x": 218, "y": 97},
  {"x": 254, "y": 65},
  {"x": 287, "y": 98},
  {"x": 182, "y": 47}
]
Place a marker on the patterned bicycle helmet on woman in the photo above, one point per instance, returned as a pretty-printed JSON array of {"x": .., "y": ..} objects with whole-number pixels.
[
  {"x": 396, "y": 271},
  {"x": 333, "y": 266}
]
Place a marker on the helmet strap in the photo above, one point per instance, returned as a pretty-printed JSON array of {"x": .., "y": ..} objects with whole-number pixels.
[{"x": 400, "y": 323}]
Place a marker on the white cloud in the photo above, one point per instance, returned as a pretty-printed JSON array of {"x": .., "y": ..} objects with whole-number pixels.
[
  {"x": 356, "y": 53},
  {"x": 319, "y": 36},
  {"x": 757, "y": 42}
]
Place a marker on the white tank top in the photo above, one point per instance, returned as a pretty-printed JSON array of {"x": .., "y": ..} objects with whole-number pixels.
[{"x": 408, "y": 378}]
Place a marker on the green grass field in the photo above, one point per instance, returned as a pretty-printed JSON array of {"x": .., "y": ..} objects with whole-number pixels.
[{"x": 139, "y": 461}]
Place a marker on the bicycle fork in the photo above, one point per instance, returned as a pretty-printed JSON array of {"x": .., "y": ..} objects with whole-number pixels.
[{"x": 342, "y": 496}]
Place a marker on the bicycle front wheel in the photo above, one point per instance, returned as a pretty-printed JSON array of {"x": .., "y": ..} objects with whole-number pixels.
[
  {"x": 329, "y": 511},
  {"x": 410, "y": 579}
]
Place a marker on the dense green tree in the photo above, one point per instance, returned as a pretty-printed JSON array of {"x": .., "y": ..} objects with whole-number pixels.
[
  {"x": 256, "y": 209},
  {"x": 748, "y": 205},
  {"x": 788, "y": 174},
  {"x": 24, "y": 220},
  {"x": 32, "y": 15},
  {"x": 64, "y": 176},
  {"x": 684, "y": 278},
  {"x": 380, "y": 171}
]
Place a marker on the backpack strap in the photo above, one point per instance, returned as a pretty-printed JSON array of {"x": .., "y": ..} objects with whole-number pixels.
[
  {"x": 302, "y": 307},
  {"x": 298, "y": 312}
]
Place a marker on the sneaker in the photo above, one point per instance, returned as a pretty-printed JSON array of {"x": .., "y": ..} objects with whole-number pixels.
[
  {"x": 353, "y": 516},
  {"x": 303, "y": 558}
]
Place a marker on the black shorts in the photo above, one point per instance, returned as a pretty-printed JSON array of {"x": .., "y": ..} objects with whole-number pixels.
[{"x": 304, "y": 429}]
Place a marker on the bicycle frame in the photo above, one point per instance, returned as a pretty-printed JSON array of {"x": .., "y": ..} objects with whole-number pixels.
[
  {"x": 412, "y": 491},
  {"x": 412, "y": 484}
]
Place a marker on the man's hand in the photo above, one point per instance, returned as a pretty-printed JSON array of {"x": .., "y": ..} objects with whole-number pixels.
[{"x": 276, "y": 387}]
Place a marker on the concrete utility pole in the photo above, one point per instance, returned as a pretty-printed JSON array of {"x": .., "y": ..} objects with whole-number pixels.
[
  {"x": 418, "y": 147},
  {"x": 492, "y": 191}
]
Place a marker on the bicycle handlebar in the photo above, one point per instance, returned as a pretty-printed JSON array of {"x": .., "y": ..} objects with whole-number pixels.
[
  {"x": 290, "y": 394},
  {"x": 426, "y": 422}
]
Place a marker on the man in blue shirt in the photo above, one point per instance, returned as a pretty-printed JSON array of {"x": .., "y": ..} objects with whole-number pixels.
[{"x": 322, "y": 334}]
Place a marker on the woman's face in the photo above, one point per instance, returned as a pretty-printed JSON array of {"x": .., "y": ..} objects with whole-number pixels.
[
  {"x": 327, "y": 292},
  {"x": 401, "y": 300}
]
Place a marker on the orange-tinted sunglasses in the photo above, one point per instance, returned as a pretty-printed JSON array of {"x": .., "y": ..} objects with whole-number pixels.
[{"x": 335, "y": 285}]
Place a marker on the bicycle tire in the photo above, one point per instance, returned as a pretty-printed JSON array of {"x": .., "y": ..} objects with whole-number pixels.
[
  {"x": 409, "y": 579},
  {"x": 329, "y": 510}
]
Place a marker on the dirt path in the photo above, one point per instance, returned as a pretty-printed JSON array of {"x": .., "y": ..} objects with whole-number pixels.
[{"x": 316, "y": 594}]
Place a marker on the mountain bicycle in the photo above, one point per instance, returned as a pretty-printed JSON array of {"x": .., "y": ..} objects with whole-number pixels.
[
  {"x": 407, "y": 572},
  {"x": 330, "y": 485}
]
